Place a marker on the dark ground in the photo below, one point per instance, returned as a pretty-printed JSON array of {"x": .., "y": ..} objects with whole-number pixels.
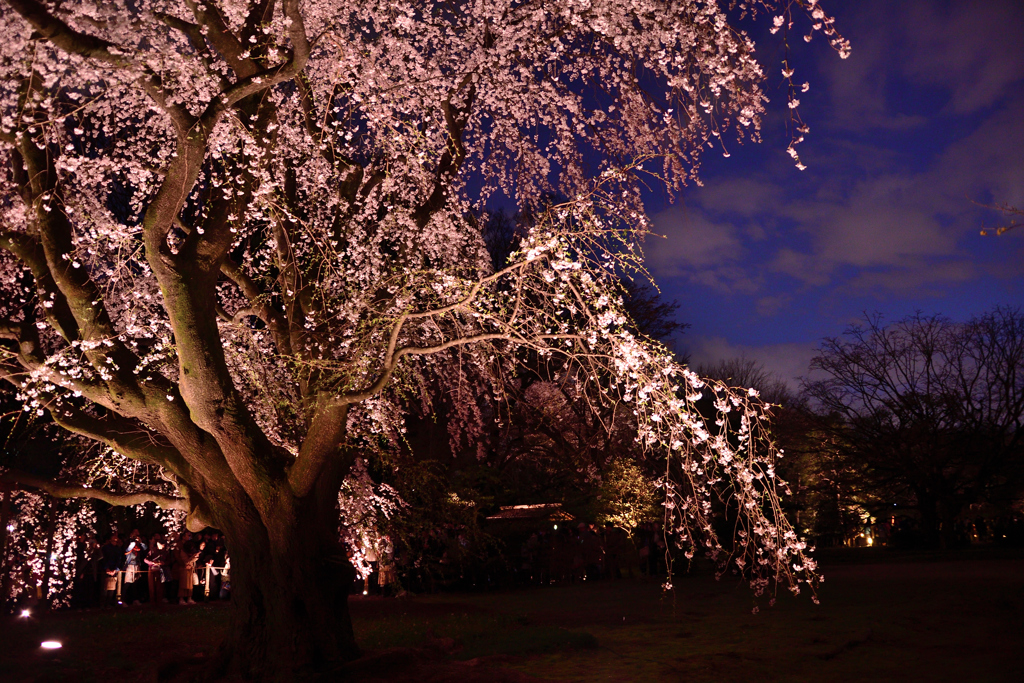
[{"x": 882, "y": 617}]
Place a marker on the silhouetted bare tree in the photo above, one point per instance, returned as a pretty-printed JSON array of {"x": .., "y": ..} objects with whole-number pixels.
[{"x": 934, "y": 408}]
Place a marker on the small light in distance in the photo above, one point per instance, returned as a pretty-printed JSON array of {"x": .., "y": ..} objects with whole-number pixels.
[
  {"x": 366, "y": 592},
  {"x": 25, "y": 614},
  {"x": 51, "y": 645}
]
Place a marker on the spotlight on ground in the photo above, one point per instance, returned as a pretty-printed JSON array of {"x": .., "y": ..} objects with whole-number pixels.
[
  {"x": 366, "y": 592},
  {"x": 51, "y": 644},
  {"x": 25, "y": 614}
]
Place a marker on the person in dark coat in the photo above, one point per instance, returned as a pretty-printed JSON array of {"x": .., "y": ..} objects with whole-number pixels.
[
  {"x": 111, "y": 552},
  {"x": 157, "y": 561}
]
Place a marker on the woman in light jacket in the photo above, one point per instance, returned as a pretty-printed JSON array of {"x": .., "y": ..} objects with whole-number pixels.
[{"x": 187, "y": 556}]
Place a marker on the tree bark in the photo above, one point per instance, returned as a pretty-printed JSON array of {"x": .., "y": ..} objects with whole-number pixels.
[{"x": 289, "y": 592}]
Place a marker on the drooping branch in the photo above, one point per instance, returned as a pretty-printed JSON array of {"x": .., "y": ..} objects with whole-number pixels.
[
  {"x": 62, "y": 490},
  {"x": 28, "y": 354},
  {"x": 80, "y": 294},
  {"x": 216, "y": 30},
  {"x": 65, "y": 37},
  {"x": 30, "y": 252},
  {"x": 194, "y": 33},
  {"x": 451, "y": 160},
  {"x": 293, "y": 289},
  {"x": 77, "y": 43},
  {"x": 260, "y": 304},
  {"x": 311, "y": 118},
  {"x": 388, "y": 371},
  {"x": 128, "y": 437},
  {"x": 271, "y": 76},
  {"x": 182, "y": 448},
  {"x": 328, "y": 426}
]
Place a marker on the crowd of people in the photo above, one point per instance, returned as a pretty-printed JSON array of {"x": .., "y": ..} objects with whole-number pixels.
[{"x": 155, "y": 570}]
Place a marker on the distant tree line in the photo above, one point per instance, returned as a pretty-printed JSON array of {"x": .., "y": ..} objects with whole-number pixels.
[{"x": 926, "y": 413}]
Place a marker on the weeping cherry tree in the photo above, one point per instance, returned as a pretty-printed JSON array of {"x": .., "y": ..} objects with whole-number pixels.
[{"x": 240, "y": 236}]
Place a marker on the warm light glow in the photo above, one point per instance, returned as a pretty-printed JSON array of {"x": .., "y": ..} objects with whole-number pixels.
[
  {"x": 51, "y": 644},
  {"x": 556, "y": 527},
  {"x": 25, "y": 613},
  {"x": 366, "y": 592},
  {"x": 871, "y": 541}
]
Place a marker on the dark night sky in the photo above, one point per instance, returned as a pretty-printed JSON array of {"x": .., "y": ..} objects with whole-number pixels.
[{"x": 926, "y": 115}]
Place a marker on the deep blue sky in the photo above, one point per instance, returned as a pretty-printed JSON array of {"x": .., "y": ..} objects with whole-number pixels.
[{"x": 926, "y": 115}]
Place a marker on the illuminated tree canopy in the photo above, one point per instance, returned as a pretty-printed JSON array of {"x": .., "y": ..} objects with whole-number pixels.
[{"x": 239, "y": 237}]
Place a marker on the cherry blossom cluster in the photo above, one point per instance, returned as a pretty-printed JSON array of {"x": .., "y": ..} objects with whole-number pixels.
[
  {"x": 364, "y": 508},
  {"x": 42, "y": 545}
]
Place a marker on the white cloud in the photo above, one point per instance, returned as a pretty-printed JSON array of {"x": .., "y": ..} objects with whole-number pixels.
[
  {"x": 698, "y": 250},
  {"x": 970, "y": 51}
]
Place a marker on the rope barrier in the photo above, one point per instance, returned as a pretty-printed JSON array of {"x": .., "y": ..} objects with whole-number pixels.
[{"x": 206, "y": 579}]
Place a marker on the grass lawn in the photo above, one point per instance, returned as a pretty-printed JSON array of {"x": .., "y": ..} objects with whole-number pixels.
[{"x": 881, "y": 618}]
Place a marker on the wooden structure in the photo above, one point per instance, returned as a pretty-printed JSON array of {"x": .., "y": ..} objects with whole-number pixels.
[{"x": 529, "y": 517}]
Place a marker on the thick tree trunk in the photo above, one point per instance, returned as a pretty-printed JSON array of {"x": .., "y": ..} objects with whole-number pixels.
[{"x": 289, "y": 595}]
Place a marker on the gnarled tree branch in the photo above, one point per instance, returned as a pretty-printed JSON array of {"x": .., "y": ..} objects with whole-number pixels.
[{"x": 62, "y": 490}]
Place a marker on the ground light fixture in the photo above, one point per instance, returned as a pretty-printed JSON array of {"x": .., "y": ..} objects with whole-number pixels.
[
  {"x": 25, "y": 614},
  {"x": 50, "y": 645}
]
